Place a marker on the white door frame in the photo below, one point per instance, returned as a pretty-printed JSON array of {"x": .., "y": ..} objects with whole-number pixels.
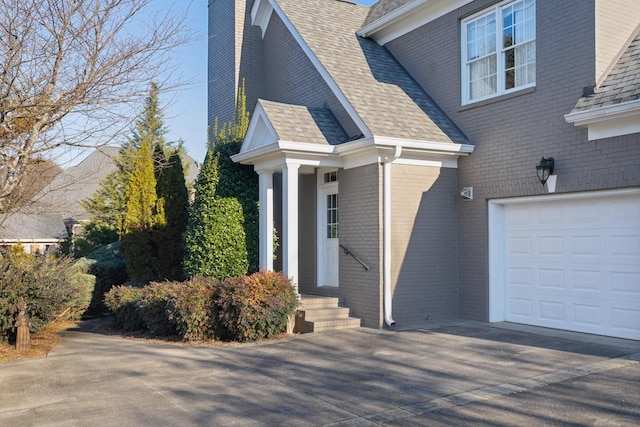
[{"x": 323, "y": 189}]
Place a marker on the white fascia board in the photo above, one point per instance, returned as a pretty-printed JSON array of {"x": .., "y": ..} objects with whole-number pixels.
[
  {"x": 407, "y": 18},
  {"x": 261, "y": 14},
  {"x": 610, "y": 121},
  {"x": 273, "y": 156},
  {"x": 353, "y": 114},
  {"x": 426, "y": 153},
  {"x": 594, "y": 115}
]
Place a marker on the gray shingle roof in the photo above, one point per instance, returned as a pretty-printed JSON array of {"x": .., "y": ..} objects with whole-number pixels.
[
  {"x": 65, "y": 193},
  {"x": 298, "y": 123},
  {"x": 25, "y": 227},
  {"x": 384, "y": 95},
  {"x": 622, "y": 84}
]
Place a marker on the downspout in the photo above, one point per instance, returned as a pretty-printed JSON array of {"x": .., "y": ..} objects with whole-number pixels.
[{"x": 386, "y": 239}]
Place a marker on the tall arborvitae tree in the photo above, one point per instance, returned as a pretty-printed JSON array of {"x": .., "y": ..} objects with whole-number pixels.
[
  {"x": 222, "y": 234},
  {"x": 172, "y": 192},
  {"x": 107, "y": 206},
  {"x": 142, "y": 214}
]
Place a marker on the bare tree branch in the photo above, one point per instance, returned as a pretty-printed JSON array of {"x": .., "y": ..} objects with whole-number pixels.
[{"x": 73, "y": 70}]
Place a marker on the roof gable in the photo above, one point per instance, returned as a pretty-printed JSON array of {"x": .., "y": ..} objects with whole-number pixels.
[{"x": 382, "y": 98}]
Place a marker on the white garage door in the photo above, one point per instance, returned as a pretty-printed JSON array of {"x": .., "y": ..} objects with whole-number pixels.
[{"x": 573, "y": 263}]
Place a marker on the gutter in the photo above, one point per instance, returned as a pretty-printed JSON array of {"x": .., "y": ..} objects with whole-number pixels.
[{"x": 386, "y": 242}]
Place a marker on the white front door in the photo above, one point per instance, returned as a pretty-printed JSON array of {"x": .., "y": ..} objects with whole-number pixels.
[{"x": 328, "y": 243}]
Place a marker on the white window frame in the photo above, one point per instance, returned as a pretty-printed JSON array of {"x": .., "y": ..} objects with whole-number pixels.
[{"x": 499, "y": 53}]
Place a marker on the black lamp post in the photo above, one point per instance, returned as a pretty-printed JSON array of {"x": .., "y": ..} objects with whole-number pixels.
[{"x": 544, "y": 169}]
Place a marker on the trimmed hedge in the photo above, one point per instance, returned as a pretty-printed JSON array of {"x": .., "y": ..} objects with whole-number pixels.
[
  {"x": 191, "y": 308},
  {"x": 256, "y": 306},
  {"x": 245, "y": 308},
  {"x": 123, "y": 302}
]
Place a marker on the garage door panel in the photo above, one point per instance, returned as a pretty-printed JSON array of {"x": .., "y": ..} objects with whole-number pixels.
[{"x": 574, "y": 264}]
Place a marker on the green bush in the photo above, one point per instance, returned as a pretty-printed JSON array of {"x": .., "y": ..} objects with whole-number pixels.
[
  {"x": 153, "y": 302},
  {"x": 46, "y": 284},
  {"x": 254, "y": 307},
  {"x": 123, "y": 302},
  {"x": 191, "y": 308},
  {"x": 108, "y": 266}
]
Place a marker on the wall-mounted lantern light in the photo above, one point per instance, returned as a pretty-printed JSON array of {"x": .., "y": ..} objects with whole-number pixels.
[{"x": 544, "y": 169}]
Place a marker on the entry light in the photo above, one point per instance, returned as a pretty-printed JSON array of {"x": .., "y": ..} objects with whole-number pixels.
[{"x": 544, "y": 169}]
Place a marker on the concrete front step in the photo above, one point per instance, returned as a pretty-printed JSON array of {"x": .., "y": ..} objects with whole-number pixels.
[
  {"x": 322, "y": 314},
  {"x": 331, "y": 324}
]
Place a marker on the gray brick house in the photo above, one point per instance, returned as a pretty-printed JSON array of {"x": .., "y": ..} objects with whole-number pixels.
[{"x": 399, "y": 146}]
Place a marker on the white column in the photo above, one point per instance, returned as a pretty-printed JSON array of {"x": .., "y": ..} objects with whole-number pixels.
[
  {"x": 266, "y": 219},
  {"x": 290, "y": 221}
]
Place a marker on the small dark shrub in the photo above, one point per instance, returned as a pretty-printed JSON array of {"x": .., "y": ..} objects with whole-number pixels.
[
  {"x": 46, "y": 284},
  {"x": 191, "y": 308},
  {"x": 254, "y": 307},
  {"x": 153, "y": 308},
  {"x": 123, "y": 302}
]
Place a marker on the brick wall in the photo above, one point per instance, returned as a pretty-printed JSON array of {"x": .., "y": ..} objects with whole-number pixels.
[
  {"x": 424, "y": 266},
  {"x": 511, "y": 133},
  {"x": 361, "y": 231},
  {"x": 234, "y": 54}
]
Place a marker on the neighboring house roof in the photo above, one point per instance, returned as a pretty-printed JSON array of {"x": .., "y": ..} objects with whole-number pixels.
[
  {"x": 43, "y": 218},
  {"x": 613, "y": 108},
  {"x": 389, "y": 102},
  {"x": 33, "y": 228},
  {"x": 382, "y": 8},
  {"x": 299, "y": 123},
  {"x": 73, "y": 185}
]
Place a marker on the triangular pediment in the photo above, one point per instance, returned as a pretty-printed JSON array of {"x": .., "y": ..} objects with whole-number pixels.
[{"x": 261, "y": 131}]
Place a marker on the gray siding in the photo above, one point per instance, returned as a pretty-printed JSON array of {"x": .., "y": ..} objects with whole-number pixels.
[
  {"x": 512, "y": 132},
  {"x": 424, "y": 266}
]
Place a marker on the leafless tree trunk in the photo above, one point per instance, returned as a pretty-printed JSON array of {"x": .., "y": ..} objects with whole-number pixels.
[{"x": 72, "y": 70}]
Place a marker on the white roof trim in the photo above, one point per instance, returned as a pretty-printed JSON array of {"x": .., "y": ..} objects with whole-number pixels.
[
  {"x": 260, "y": 131},
  {"x": 257, "y": 7},
  {"x": 599, "y": 114},
  {"x": 275, "y": 153},
  {"x": 609, "y": 121},
  {"x": 261, "y": 14},
  {"x": 407, "y": 18}
]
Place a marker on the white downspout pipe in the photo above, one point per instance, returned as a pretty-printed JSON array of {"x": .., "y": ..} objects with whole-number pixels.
[{"x": 386, "y": 239}]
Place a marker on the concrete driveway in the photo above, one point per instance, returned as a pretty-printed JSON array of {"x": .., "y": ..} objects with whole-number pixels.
[{"x": 454, "y": 374}]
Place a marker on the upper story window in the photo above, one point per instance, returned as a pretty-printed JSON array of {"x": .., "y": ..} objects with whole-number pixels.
[{"x": 499, "y": 50}]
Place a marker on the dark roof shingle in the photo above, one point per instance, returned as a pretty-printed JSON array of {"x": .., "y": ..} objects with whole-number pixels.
[{"x": 622, "y": 84}]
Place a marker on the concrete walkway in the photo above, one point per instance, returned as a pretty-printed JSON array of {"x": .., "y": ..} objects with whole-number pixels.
[{"x": 454, "y": 374}]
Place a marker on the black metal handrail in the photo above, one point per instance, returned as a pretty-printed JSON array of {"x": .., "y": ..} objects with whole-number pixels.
[{"x": 349, "y": 252}]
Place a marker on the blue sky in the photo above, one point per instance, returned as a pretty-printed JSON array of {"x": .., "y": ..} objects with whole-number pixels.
[{"x": 186, "y": 109}]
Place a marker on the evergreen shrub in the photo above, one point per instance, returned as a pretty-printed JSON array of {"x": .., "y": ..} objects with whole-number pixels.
[
  {"x": 191, "y": 308},
  {"x": 153, "y": 302},
  {"x": 49, "y": 286},
  {"x": 108, "y": 266},
  {"x": 255, "y": 307},
  {"x": 123, "y": 302}
]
